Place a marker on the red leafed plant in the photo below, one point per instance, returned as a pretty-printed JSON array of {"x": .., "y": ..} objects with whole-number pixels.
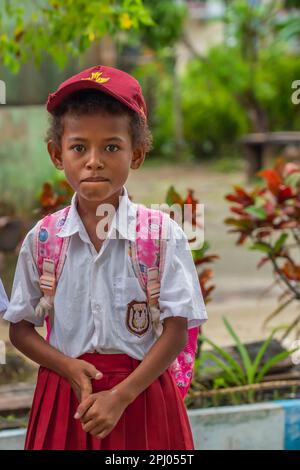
[
  {"x": 54, "y": 197},
  {"x": 200, "y": 255},
  {"x": 269, "y": 218}
]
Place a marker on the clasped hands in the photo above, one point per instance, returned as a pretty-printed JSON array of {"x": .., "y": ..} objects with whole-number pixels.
[{"x": 98, "y": 412}]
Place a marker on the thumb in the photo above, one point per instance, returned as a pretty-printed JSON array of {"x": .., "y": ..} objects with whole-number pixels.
[
  {"x": 85, "y": 393},
  {"x": 85, "y": 404},
  {"x": 86, "y": 387},
  {"x": 93, "y": 373}
]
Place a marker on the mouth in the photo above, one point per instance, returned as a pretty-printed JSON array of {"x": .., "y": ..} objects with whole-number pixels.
[{"x": 94, "y": 179}]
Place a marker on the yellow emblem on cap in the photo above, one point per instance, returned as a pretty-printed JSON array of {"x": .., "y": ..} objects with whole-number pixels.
[{"x": 96, "y": 77}]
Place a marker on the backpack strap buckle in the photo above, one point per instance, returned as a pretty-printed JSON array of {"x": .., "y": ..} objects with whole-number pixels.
[
  {"x": 48, "y": 279},
  {"x": 153, "y": 285}
]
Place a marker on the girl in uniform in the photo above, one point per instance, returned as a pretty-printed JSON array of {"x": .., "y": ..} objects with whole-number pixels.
[{"x": 103, "y": 381}]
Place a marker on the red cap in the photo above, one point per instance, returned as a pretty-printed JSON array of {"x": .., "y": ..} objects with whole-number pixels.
[{"x": 122, "y": 86}]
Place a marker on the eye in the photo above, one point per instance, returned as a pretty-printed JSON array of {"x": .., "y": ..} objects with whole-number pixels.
[
  {"x": 78, "y": 148},
  {"x": 112, "y": 148}
]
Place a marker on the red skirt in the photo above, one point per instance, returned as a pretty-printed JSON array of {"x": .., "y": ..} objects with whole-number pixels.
[{"x": 155, "y": 420}]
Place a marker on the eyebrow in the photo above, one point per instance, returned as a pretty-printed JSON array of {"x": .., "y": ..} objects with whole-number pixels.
[{"x": 107, "y": 139}]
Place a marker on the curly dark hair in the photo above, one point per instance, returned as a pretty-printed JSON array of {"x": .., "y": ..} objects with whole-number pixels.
[{"x": 90, "y": 102}]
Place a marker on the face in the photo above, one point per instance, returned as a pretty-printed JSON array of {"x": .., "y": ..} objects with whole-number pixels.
[{"x": 96, "y": 155}]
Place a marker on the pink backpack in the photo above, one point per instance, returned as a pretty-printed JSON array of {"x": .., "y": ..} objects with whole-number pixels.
[{"x": 147, "y": 255}]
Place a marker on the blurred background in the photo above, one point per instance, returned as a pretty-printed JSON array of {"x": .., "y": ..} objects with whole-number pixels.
[{"x": 220, "y": 80}]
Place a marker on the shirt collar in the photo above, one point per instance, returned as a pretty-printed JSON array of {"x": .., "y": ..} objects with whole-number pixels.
[{"x": 124, "y": 220}]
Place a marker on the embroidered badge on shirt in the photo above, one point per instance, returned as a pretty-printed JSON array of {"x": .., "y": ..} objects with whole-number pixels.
[{"x": 138, "y": 317}]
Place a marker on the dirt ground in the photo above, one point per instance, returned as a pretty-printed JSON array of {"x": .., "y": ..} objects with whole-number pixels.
[{"x": 241, "y": 289}]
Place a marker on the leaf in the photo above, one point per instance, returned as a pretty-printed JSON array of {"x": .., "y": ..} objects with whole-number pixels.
[
  {"x": 277, "y": 358},
  {"x": 293, "y": 179},
  {"x": 290, "y": 328},
  {"x": 173, "y": 197},
  {"x": 241, "y": 223},
  {"x": 241, "y": 348},
  {"x": 262, "y": 261},
  {"x": 280, "y": 242},
  {"x": 206, "y": 259},
  {"x": 199, "y": 252},
  {"x": 260, "y": 355},
  {"x": 258, "y": 212},
  {"x": 260, "y": 246},
  {"x": 272, "y": 178},
  {"x": 225, "y": 355},
  {"x": 223, "y": 366},
  {"x": 284, "y": 193}
]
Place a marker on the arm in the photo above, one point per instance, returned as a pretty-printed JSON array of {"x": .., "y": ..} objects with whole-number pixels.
[
  {"x": 26, "y": 339},
  {"x": 26, "y": 294},
  {"x": 101, "y": 411},
  {"x": 157, "y": 360}
]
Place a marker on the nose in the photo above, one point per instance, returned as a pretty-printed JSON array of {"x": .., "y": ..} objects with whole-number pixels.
[{"x": 94, "y": 161}]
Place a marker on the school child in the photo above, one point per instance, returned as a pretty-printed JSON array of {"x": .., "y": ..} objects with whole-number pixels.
[
  {"x": 105, "y": 379},
  {"x": 3, "y": 299}
]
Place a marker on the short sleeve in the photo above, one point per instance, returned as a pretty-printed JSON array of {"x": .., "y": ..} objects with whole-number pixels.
[
  {"x": 180, "y": 291},
  {"x": 26, "y": 291},
  {"x": 3, "y": 299}
]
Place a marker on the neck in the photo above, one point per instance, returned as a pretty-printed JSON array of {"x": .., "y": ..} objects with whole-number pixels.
[{"x": 88, "y": 209}]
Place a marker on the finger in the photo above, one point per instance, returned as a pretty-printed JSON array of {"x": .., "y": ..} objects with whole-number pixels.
[
  {"x": 90, "y": 414},
  {"x": 85, "y": 418},
  {"x": 84, "y": 406},
  {"x": 86, "y": 390},
  {"x": 86, "y": 387},
  {"x": 92, "y": 372},
  {"x": 97, "y": 429},
  {"x": 102, "y": 434},
  {"x": 92, "y": 426},
  {"x": 77, "y": 393}
]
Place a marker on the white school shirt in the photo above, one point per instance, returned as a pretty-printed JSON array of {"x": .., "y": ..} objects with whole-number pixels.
[
  {"x": 3, "y": 298},
  {"x": 95, "y": 289}
]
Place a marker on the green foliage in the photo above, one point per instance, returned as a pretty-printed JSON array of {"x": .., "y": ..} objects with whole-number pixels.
[
  {"x": 214, "y": 96},
  {"x": 275, "y": 75},
  {"x": 243, "y": 84},
  {"x": 168, "y": 16},
  {"x": 62, "y": 28},
  {"x": 66, "y": 28},
  {"x": 212, "y": 117},
  {"x": 156, "y": 82},
  {"x": 233, "y": 374},
  {"x": 25, "y": 163}
]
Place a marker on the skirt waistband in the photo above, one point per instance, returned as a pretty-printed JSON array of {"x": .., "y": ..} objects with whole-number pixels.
[{"x": 113, "y": 363}]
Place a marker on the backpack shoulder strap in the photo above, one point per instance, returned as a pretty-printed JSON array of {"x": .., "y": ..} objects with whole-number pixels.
[
  {"x": 47, "y": 246},
  {"x": 49, "y": 255},
  {"x": 148, "y": 251},
  {"x": 148, "y": 258}
]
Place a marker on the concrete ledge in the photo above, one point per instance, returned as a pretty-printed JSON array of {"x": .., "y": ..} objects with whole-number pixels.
[
  {"x": 262, "y": 426},
  {"x": 291, "y": 423},
  {"x": 12, "y": 439}
]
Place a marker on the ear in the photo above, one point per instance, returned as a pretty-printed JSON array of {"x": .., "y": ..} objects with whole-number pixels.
[
  {"x": 138, "y": 158},
  {"x": 55, "y": 155}
]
